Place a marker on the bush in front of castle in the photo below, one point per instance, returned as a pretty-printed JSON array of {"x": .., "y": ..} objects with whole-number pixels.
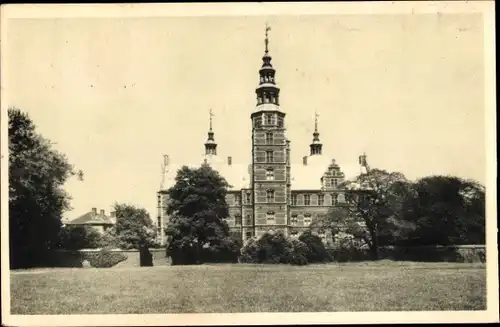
[{"x": 274, "y": 248}]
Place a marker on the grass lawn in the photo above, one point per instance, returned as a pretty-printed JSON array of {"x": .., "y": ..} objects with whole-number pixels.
[{"x": 375, "y": 286}]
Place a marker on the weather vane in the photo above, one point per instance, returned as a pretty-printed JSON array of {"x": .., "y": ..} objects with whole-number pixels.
[
  {"x": 316, "y": 115},
  {"x": 268, "y": 28},
  {"x": 211, "y": 115}
]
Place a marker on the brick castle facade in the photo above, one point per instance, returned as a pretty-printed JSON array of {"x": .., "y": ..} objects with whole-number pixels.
[{"x": 271, "y": 193}]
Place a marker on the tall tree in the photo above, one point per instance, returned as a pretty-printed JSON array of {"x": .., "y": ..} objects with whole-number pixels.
[
  {"x": 134, "y": 228},
  {"x": 372, "y": 212},
  {"x": 197, "y": 205},
  {"x": 37, "y": 200},
  {"x": 447, "y": 210}
]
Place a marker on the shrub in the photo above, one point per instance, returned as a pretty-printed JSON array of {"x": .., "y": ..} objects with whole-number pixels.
[
  {"x": 316, "y": 251},
  {"x": 79, "y": 237},
  {"x": 105, "y": 258},
  {"x": 274, "y": 248},
  {"x": 346, "y": 248}
]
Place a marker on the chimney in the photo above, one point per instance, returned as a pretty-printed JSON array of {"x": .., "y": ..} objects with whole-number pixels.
[
  {"x": 304, "y": 160},
  {"x": 102, "y": 212},
  {"x": 94, "y": 211},
  {"x": 229, "y": 161}
]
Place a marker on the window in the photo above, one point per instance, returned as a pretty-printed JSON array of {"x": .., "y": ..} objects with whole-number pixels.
[
  {"x": 334, "y": 182},
  {"x": 248, "y": 198},
  {"x": 294, "y": 199},
  {"x": 294, "y": 219},
  {"x": 269, "y": 138},
  {"x": 295, "y": 232},
  {"x": 280, "y": 121},
  {"x": 335, "y": 198},
  {"x": 237, "y": 219},
  {"x": 269, "y": 156},
  {"x": 237, "y": 199},
  {"x": 321, "y": 199},
  {"x": 307, "y": 219},
  {"x": 249, "y": 234},
  {"x": 307, "y": 200},
  {"x": 249, "y": 220},
  {"x": 328, "y": 183},
  {"x": 270, "y": 215},
  {"x": 269, "y": 119},
  {"x": 269, "y": 174},
  {"x": 270, "y": 195}
]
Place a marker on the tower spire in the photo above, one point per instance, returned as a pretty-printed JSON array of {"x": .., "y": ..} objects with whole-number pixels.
[
  {"x": 267, "y": 91},
  {"x": 316, "y": 146},
  {"x": 210, "y": 145}
]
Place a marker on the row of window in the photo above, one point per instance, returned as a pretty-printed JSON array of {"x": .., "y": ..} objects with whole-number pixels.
[
  {"x": 321, "y": 199},
  {"x": 270, "y": 215},
  {"x": 267, "y": 78},
  {"x": 270, "y": 195},
  {"x": 269, "y": 120}
]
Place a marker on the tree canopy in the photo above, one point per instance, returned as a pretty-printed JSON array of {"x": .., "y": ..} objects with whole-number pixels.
[
  {"x": 446, "y": 210},
  {"x": 37, "y": 200},
  {"x": 134, "y": 228},
  {"x": 197, "y": 205}
]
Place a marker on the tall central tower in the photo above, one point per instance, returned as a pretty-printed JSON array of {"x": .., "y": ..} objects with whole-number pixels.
[{"x": 269, "y": 152}]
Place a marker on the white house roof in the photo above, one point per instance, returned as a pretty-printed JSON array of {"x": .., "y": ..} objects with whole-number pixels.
[
  {"x": 308, "y": 177},
  {"x": 236, "y": 174}
]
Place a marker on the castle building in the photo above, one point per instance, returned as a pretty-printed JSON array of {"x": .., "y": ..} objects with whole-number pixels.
[{"x": 271, "y": 193}]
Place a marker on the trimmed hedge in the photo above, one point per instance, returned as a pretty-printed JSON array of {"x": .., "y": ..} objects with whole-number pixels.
[
  {"x": 462, "y": 254},
  {"x": 274, "y": 248},
  {"x": 104, "y": 258}
]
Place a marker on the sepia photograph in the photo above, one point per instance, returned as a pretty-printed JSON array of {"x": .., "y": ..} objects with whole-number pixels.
[{"x": 248, "y": 163}]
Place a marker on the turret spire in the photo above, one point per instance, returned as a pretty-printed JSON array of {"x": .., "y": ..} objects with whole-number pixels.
[
  {"x": 267, "y": 91},
  {"x": 316, "y": 146},
  {"x": 210, "y": 145}
]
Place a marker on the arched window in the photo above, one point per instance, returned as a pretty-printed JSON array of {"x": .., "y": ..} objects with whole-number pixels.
[
  {"x": 269, "y": 174},
  {"x": 270, "y": 195}
]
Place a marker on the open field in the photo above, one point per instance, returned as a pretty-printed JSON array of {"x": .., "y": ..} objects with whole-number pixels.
[{"x": 373, "y": 286}]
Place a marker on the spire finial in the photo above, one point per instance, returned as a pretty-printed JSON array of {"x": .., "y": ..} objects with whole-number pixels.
[
  {"x": 211, "y": 115},
  {"x": 268, "y": 28},
  {"x": 316, "y": 115}
]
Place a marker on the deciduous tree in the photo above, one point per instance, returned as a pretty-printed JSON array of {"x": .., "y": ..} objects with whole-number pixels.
[
  {"x": 197, "y": 205},
  {"x": 37, "y": 200}
]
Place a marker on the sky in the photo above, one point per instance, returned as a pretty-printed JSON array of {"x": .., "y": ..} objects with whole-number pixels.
[{"x": 116, "y": 94}]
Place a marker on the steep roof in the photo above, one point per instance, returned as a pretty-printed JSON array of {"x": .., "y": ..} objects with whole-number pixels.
[
  {"x": 91, "y": 218},
  {"x": 308, "y": 177},
  {"x": 236, "y": 174}
]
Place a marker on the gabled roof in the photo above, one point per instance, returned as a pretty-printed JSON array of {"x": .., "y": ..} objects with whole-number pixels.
[{"x": 91, "y": 218}]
